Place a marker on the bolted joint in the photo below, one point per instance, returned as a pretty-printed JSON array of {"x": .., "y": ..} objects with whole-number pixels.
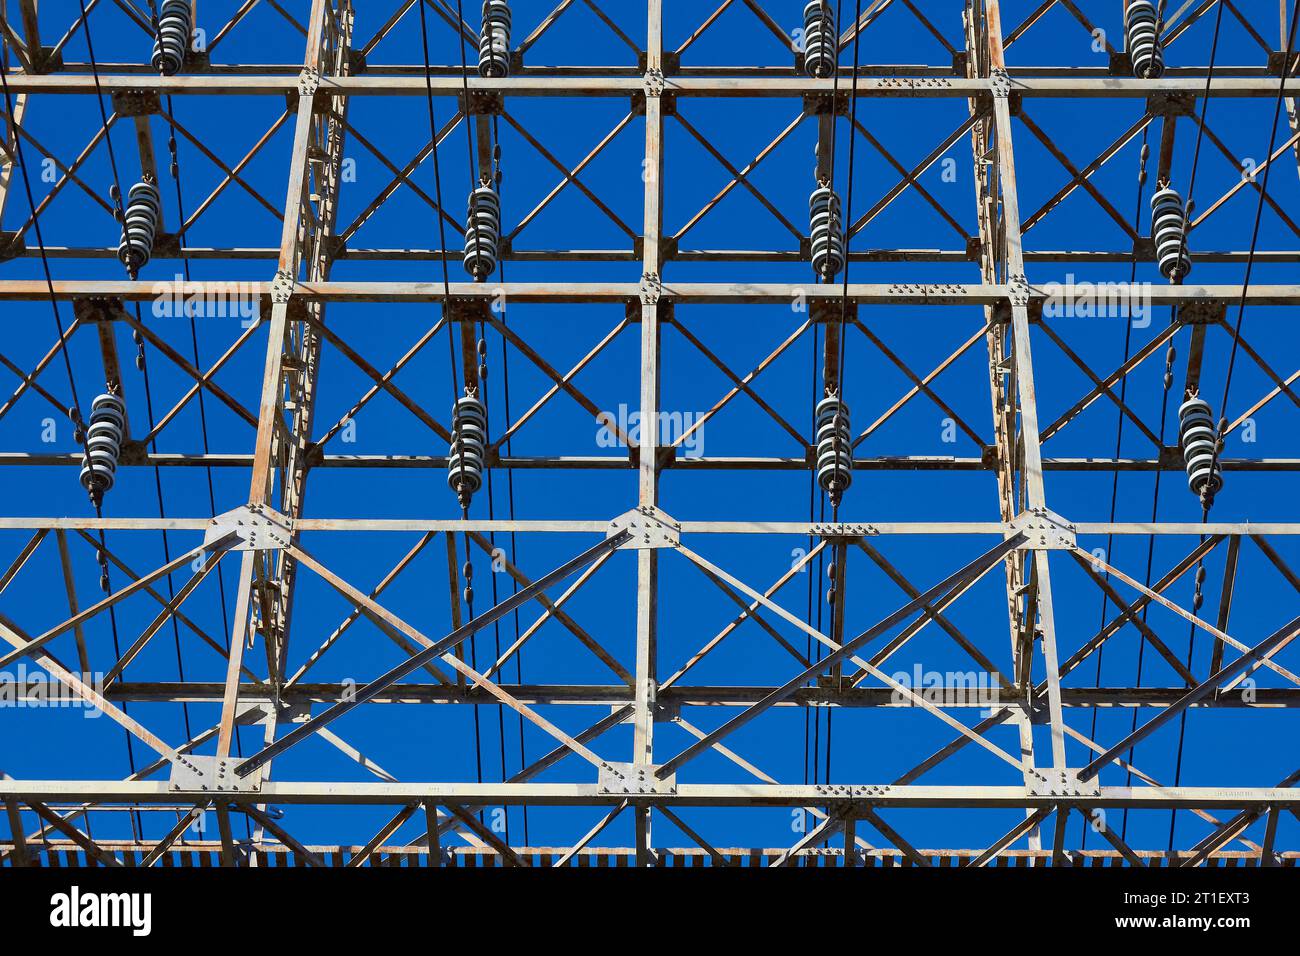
[
  {"x": 314, "y": 455},
  {"x": 133, "y": 452},
  {"x": 1202, "y": 313},
  {"x": 47, "y": 60},
  {"x": 1018, "y": 290},
  {"x": 653, "y": 82},
  {"x": 669, "y": 63},
  {"x": 1276, "y": 62},
  {"x": 308, "y": 81},
  {"x": 98, "y": 308},
  {"x": 167, "y": 245},
  {"x": 826, "y": 104},
  {"x": 651, "y": 288},
  {"x": 282, "y": 287},
  {"x": 649, "y": 528},
  {"x": 1061, "y": 782},
  {"x": 132, "y": 103},
  {"x": 12, "y": 245},
  {"x": 249, "y": 528},
  {"x": 1044, "y": 530},
  {"x": 197, "y": 774},
  {"x": 482, "y": 103},
  {"x": 1171, "y": 104},
  {"x": 1000, "y": 84},
  {"x": 629, "y": 779}
]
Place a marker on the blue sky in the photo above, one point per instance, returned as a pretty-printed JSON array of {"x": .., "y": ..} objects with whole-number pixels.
[{"x": 1222, "y": 747}]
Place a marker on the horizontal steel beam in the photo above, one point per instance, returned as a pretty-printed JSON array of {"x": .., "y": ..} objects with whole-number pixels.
[
  {"x": 417, "y": 84},
  {"x": 947, "y": 698},
  {"x": 704, "y": 293},
  {"x": 209, "y": 852},
  {"x": 629, "y": 254},
  {"x": 622, "y": 462},
  {"x": 686, "y": 795},
  {"x": 559, "y": 525}
]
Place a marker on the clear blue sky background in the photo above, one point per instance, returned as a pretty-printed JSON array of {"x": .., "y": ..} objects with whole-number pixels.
[{"x": 416, "y": 743}]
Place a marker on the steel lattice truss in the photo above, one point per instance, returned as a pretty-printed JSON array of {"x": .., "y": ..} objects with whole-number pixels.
[{"x": 679, "y": 742}]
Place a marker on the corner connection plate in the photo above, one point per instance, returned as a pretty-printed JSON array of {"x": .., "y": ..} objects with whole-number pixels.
[
  {"x": 630, "y": 779},
  {"x": 1061, "y": 783},
  {"x": 1044, "y": 530},
  {"x": 256, "y": 528},
  {"x": 212, "y": 775},
  {"x": 649, "y": 527}
]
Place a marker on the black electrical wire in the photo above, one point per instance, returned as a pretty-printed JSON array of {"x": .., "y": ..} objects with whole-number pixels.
[
  {"x": 813, "y": 585},
  {"x": 469, "y": 588},
  {"x": 1119, "y": 426},
  {"x": 451, "y": 339},
  {"x": 848, "y": 219},
  {"x": 1187, "y": 209},
  {"x": 103, "y": 113},
  {"x": 75, "y": 411},
  {"x": 1287, "y": 69},
  {"x": 116, "y": 192},
  {"x": 492, "y": 538},
  {"x": 844, "y": 292},
  {"x": 510, "y": 481},
  {"x": 177, "y": 181},
  {"x": 1119, "y": 434}
]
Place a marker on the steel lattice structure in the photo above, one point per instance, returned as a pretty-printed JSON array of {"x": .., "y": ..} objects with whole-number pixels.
[{"x": 1047, "y": 771}]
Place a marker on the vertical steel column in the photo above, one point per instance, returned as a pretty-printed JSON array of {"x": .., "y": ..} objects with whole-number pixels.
[
  {"x": 1030, "y": 453},
  {"x": 648, "y": 451},
  {"x": 1001, "y": 391},
  {"x": 293, "y": 353},
  {"x": 11, "y": 140}
]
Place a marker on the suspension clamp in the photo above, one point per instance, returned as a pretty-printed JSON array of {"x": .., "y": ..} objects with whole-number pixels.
[
  {"x": 1044, "y": 530},
  {"x": 649, "y": 527},
  {"x": 255, "y": 527},
  {"x": 212, "y": 775}
]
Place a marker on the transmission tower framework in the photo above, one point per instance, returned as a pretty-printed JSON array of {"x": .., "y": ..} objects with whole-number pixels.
[{"x": 854, "y": 822}]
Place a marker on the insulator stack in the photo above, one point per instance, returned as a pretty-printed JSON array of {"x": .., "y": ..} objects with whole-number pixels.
[
  {"x": 104, "y": 439},
  {"x": 1199, "y": 438},
  {"x": 139, "y": 226},
  {"x": 482, "y": 232},
  {"x": 1168, "y": 225},
  {"x": 820, "y": 39},
  {"x": 834, "y": 447},
  {"x": 494, "y": 40},
  {"x": 468, "y": 447},
  {"x": 827, "y": 232},
  {"x": 1142, "y": 38},
  {"x": 172, "y": 41}
]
